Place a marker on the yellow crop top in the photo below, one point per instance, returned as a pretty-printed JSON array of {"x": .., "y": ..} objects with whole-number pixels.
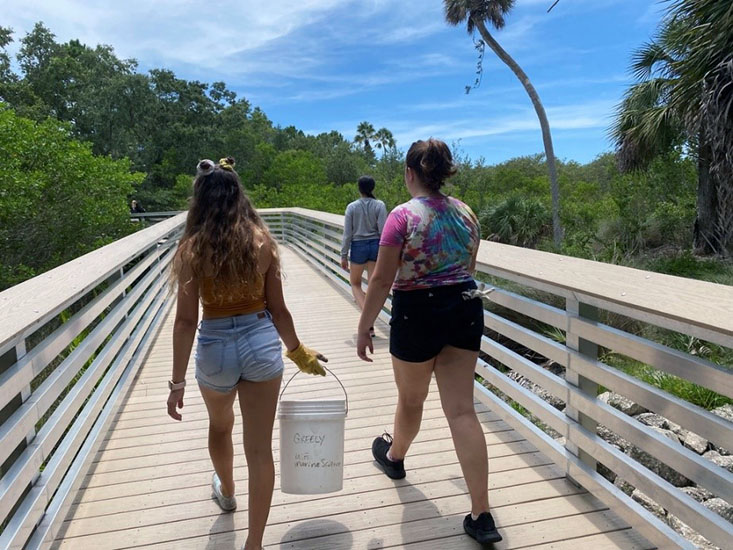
[{"x": 248, "y": 298}]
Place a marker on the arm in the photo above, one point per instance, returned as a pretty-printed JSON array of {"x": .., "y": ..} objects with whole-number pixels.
[
  {"x": 348, "y": 234},
  {"x": 184, "y": 330},
  {"x": 381, "y": 217},
  {"x": 388, "y": 261},
  {"x": 306, "y": 359},
  {"x": 281, "y": 317},
  {"x": 472, "y": 268}
]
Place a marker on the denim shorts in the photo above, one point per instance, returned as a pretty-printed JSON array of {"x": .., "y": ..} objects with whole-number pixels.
[
  {"x": 424, "y": 321},
  {"x": 243, "y": 347},
  {"x": 364, "y": 251}
]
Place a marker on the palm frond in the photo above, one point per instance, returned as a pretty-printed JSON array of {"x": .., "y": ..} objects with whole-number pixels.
[
  {"x": 492, "y": 12},
  {"x": 645, "y": 124},
  {"x": 456, "y": 11},
  {"x": 650, "y": 56}
]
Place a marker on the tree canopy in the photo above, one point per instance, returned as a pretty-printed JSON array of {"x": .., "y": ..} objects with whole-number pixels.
[{"x": 83, "y": 132}]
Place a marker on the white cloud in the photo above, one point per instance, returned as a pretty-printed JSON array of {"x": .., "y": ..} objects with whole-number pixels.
[
  {"x": 479, "y": 123},
  {"x": 172, "y": 31},
  {"x": 222, "y": 33}
]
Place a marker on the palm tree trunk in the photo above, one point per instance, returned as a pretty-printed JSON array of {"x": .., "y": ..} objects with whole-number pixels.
[
  {"x": 557, "y": 232},
  {"x": 706, "y": 237}
]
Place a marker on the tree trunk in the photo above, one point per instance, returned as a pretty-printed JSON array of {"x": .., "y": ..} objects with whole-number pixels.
[
  {"x": 557, "y": 232},
  {"x": 706, "y": 237}
]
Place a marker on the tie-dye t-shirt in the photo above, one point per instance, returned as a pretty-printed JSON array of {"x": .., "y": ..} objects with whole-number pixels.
[{"x": 438, "y": 236}]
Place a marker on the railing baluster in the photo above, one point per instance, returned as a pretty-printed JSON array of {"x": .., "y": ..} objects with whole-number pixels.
[{"x": 589, "y": 350}]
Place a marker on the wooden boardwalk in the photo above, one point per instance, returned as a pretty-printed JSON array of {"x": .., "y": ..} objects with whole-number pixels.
[{"x": 149, "y": 485}]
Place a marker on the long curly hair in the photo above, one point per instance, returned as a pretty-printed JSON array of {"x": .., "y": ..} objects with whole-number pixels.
[{"x": 220, "y": 238}]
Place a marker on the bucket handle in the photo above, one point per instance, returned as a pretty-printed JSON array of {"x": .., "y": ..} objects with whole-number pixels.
[{"x": 346, "y": 395}]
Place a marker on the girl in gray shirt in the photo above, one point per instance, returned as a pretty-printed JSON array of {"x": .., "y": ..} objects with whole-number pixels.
[{"x": 363, "y": 225}]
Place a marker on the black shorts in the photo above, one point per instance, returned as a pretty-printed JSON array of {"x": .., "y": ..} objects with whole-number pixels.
[{"x": 424, "y": 321}]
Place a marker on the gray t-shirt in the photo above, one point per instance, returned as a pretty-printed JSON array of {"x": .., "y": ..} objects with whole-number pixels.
[{"x": 364, "y": 220}]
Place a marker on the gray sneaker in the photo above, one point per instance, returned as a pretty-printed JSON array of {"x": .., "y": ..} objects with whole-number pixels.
[{"x": 228, "y": 504}]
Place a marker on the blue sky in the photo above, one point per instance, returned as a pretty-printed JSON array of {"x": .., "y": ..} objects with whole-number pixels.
[{"x": 324, "y": 65}]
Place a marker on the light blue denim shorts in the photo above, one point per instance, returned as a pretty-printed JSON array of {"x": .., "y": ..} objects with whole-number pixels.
[{"x": 243, "y": 347}]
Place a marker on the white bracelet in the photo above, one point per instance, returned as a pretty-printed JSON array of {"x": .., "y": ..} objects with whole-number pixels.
[{"x": 175, "y": 386}]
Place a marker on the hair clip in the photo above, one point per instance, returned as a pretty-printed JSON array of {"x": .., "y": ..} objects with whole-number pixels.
[
  {"x": 227, "y": 164},
  {"x": 204, "y": 167}
]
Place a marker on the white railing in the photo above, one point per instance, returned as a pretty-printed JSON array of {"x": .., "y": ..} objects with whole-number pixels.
[
  {"x": 71, "y": 341},
  {"x": 587, "y": 289}
]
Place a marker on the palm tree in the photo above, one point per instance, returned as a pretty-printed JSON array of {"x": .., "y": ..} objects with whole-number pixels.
[
  {"x": 365, "y": 133},
  {"x": 684, "y": 97},
  {"x": 384, "y": 139},
  {"x": 476, "y": 14}
]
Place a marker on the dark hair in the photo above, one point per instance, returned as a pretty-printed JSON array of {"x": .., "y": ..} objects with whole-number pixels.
[
  {"x": 432, "y": 161},
  {"x": 366, "y": 186},
  {"x": 219, "y": 238}
]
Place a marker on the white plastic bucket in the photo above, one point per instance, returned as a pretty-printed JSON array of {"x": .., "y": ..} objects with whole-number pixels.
[{"x": 312, "y": 445}]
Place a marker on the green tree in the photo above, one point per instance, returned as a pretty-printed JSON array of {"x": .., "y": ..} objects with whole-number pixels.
[
  {"x": 58, "y": 199},
  {"x": 384, "y": 140},
  {"x": 476, "y": 14},
  {"x": 683, "y": 99},
  {"x": 365, "y": 134},
  {"x": 517, "y": 220},
  {"x": 294, "y": 169}
]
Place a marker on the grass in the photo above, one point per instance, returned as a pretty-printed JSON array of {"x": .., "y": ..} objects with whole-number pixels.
[
  {"x": 679, "y": 387},
  {"x": 685, "y": 264}
]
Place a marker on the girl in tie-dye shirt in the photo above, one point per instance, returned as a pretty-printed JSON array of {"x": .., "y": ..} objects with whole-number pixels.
[
  {"x": 438, "y": 236},
  {"x": 426, "y": 256}
]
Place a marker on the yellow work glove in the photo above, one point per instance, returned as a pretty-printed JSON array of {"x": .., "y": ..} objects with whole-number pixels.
[{"x": 307, "y": 360}]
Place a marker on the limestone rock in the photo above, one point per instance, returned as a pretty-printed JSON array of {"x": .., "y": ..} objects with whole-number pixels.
[
  {"x": 653, "y": 419},
  {"x": 621, "y": 403},
  {"x": 624, "y": 486},
  {"x": 537, "y": 389},
  {"x": 605, "y": 472},
  {"x": 694, "y": 442},
  {"x": 691, "y": 535},
  {"x": 657, "y": 466},
  {"x": 613, "y": 438},
  {"x": 726, "y": 411},
  {"x": 720, "y": 507},
  {"x": 721, "y": 460},
  {"x": 649, "y": 504},
  {"x": 700, "y": 494}
]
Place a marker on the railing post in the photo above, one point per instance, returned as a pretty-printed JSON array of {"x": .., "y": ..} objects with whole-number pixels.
[
  {"x": 588, "y": 349},
  {"x": 11, "y": 357}
]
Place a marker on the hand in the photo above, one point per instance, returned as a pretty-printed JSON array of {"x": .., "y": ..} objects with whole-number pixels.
[
  {"x": 307, "y": 360},
  {"x": 175, "y": 400},
  {"x": 364, "y": 341},
  {"x": 344, "y": 264}
]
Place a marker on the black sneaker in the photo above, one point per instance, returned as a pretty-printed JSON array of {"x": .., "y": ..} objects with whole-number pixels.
[
  {"x": 394, "y": 469},
  {"x": 483, "y": 529}
]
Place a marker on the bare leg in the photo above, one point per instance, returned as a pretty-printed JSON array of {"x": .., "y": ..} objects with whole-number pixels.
[
  {"x": 413, "y": 383},
  {"x": 355, "y": 273},
  {"x": 370, "y": 269},
  {"x": 258, "y": 401},
  {"x": 454, "y": 372},
  {"x": 221, "y": 423}
]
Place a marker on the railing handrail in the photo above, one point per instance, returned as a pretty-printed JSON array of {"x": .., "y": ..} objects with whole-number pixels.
[
  {"x": 159, "y": 214},
  {"x": 29, "y": 304},
  {"x": 704, "y": 306}
]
